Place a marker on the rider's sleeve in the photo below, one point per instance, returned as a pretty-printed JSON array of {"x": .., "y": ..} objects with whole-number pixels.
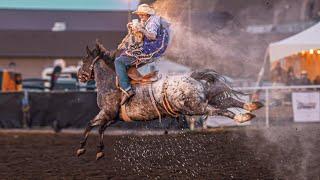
[{"x": 153, "y": 24}]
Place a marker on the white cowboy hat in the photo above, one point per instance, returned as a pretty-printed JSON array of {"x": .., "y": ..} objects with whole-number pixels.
[{"x": 145, "y": 9}]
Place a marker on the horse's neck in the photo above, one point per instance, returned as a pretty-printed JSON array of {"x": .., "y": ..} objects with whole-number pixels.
[{"x": 105, "y": 77}]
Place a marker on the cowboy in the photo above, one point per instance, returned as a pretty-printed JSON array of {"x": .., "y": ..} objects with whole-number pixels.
[{"x": 155, "y": 41}]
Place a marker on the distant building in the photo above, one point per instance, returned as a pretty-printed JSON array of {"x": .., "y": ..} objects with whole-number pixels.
[{"x": 32, "y": 36}]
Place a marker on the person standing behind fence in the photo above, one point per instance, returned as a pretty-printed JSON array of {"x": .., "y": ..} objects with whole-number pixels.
[
  {"x": 304, "y": 80},
  {"x": 59, "y": 64},
  {"x": 291, "y": 78},
  {"x": 316, "y": 81},
  {"x": 278, "y": 74}
]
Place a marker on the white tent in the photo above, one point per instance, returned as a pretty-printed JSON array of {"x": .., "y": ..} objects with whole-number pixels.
[{"x": 305, "y": 40}]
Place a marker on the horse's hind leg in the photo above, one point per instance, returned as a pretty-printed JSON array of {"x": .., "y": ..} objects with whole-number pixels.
[
  {"x": 252, "y": 106},
  {"x": 203, "y": 120},
  {"x": 211, "y": 111},
  {"x": 232, "y": 102},
  {"x": 94, "y": 122}
]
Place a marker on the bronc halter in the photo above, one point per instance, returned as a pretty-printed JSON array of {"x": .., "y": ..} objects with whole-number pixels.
[{"x": 91, "y": 67}]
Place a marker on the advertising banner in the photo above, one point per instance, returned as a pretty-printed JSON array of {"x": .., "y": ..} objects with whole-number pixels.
[{"x": 306, "y": 106}]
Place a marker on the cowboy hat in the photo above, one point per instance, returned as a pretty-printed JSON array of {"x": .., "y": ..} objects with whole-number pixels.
[{"x": 145, "y": 9}]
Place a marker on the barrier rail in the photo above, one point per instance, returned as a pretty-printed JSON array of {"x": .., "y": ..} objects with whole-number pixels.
[{"x": 45, "y": 107}]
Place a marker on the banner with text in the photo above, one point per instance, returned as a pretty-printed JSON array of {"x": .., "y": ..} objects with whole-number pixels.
[{"x": 306, "y": 106}]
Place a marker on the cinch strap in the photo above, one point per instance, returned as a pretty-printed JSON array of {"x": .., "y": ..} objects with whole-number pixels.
[
  {"x": 124, "y": 114},
  {"x": 154, "y": 102},
  {"x": 165, "y": 101}
]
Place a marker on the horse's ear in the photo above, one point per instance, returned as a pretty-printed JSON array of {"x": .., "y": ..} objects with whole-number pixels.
[
  {"x": 99, "y": 46},
  {"x": 89, "y": 52}
]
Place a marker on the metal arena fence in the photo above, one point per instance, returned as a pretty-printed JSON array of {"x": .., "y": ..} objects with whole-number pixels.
[
  {"x": 73, "y": 109},
  {"x": 281, "y": 104}
]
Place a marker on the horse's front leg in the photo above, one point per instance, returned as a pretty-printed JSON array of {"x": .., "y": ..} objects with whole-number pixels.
[
  {"x": 100, "y": 146},
  {"x": 94, "y": 122},
  {"x": 81, "y": 149}
]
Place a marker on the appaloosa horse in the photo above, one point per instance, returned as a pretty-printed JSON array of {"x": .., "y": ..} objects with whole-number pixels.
[{"x": 197, "y": 93}]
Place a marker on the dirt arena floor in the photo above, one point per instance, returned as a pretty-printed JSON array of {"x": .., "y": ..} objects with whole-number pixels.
[{"x": 242, "y": 153}]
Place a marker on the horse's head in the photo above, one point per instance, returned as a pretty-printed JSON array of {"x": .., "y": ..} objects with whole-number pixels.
[{"x": 86, "y": 72}]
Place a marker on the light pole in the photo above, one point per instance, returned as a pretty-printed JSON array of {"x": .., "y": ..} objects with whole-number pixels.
[{"x": 129, "y": 11}]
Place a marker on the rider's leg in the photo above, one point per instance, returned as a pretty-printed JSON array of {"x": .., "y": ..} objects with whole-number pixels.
[{"x": 121, "y": 65}]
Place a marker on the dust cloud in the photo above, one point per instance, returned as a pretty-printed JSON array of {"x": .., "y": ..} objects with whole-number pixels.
[
  {"x": 294, "y": 150},
  {"x": 203, "y": 37}
]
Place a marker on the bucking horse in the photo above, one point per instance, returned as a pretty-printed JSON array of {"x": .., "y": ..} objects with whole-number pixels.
[{"x": 199, "y": 93}]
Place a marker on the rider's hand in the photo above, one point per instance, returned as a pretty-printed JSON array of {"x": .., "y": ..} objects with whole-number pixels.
[
  {"x": 139, "y": 28},
  {"x": 129, "y": 25}
]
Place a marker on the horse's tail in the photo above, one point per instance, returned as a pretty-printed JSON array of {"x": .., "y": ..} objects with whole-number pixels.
[{"x": 218, "y": 86}]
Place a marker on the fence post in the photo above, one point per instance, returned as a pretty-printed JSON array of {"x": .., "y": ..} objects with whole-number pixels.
[
  {"x": 267, "y": 107},
  {"x": 25, "y": 109}
]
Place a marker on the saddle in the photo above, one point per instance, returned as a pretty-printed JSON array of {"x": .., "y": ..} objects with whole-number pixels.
[{"x": 137, "y": 78}]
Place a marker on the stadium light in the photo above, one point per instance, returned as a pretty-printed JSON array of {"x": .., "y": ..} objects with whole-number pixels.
[{"x": 311, "y": 51}]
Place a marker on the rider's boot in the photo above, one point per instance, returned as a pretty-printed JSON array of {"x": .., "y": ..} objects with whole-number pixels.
[{"x": 126, "y": 96}]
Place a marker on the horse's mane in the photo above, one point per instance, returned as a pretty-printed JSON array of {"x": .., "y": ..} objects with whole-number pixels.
[{"x": 107, "y": 56}]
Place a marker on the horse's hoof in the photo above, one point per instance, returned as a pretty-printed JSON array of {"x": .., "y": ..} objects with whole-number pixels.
[
  {"x": 241, "y": 118},
  {"x": 99, "y": 155},
  {"x": 252, "y": 106},
  {"x": 80, "y": 152}
]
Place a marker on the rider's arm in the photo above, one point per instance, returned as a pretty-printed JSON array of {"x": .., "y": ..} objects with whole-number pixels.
[
  {"x": 149, "y": 35},
  {"x": 151, "y": 28}
]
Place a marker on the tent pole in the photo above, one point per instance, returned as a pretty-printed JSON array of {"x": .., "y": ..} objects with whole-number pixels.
[{"x": 262, "y": 70}]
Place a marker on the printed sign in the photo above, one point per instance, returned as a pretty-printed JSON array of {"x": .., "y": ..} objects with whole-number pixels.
[{"x": 306, "y": 106}]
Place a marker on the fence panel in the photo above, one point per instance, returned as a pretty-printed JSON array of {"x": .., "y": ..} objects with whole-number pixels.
[{"x": 11, "y": 110}]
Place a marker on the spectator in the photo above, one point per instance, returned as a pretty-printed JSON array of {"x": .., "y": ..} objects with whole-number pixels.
[
  {"x": 291, "y": 78},
  {"x": 278, "y": 74},
  {"x": 12, "y": 66},
  {"x": 317, "y": 80},
  {"x": 304, "y": 80},
  {"x": 59, "y": 64}
]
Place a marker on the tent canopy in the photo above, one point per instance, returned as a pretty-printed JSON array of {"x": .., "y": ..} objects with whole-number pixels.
[{"x": 305, "y": 40}]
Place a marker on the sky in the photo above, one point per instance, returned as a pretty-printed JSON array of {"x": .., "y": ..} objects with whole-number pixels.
[{"x": 92, "y": 5}]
